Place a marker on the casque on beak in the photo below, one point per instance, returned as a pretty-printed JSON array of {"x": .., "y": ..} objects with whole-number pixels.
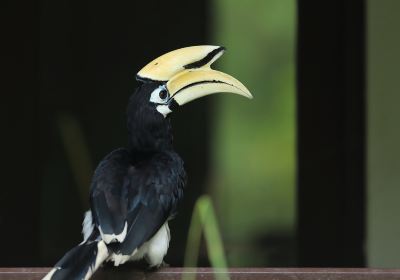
[{"x": 187, "y": 74}]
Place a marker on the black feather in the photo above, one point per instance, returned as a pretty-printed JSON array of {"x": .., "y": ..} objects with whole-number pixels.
[
  {"x": 77, "y": 262},
  {"x": 148, "y": 193},
  {"x": 108, "y": 192}
]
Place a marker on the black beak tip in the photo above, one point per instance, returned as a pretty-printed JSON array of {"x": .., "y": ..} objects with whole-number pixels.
[{"x": 173, "y": 105}]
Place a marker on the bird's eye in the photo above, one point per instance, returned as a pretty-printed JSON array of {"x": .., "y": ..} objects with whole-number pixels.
[{"x": 163, "y": 94}]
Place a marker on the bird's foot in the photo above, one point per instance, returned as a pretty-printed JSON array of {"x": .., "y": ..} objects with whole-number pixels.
[{"x": 163, "y": 264}]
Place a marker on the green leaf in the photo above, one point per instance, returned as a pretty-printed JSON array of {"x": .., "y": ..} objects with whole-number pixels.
[{"x": 204, "y": 220}]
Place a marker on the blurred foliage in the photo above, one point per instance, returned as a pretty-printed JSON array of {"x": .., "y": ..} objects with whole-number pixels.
[
  {"x": 77, "y": 152},
  {"x": 383, "y": 133},
  {"x": 253, "y": 177},
  {"x": 204, "y": 220}
]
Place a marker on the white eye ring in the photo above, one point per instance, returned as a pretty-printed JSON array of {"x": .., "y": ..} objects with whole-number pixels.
[{"x": 155, "y": 95}]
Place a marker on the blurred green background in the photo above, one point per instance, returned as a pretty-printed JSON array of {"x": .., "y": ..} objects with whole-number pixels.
[
  {"x": 253, "y": 147},
  {"x": 383, "y": 164}
]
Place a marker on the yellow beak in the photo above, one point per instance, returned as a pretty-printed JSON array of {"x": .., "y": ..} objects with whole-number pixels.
[{"x": 188, "y": 75}]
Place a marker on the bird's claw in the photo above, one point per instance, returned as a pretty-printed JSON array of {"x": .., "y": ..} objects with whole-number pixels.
[{"x": 163, "y": 264}]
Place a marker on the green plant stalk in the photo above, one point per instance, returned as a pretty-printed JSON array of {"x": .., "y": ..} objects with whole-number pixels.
[
  {"x": 77, "y": 152},
  {"x": 204, "y": 218}
]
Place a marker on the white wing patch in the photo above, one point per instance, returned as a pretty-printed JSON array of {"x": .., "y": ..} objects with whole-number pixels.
[
  {"x": 102, "y": 255},
  {"x": 153, "y": 250},
  {"x": 87, "y": 226},
  {"x": 121, "y": 259},
  {"x": 50, "y": 274},
  {"x": 108, "y": 238}
]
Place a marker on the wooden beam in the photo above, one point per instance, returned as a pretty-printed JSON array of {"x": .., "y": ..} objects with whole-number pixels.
[{"x": 234, "y": 273}]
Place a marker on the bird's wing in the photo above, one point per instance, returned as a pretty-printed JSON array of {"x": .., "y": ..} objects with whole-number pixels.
[
  {"x": 130, "y": 203},
  {"x": 161, "y": 183},
  {"x": 108, "y": 202}
]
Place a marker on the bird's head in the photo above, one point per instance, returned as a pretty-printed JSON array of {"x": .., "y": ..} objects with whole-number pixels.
[
  {"x": 175, "y": 79},
  {"x": 183, "y": 75}
]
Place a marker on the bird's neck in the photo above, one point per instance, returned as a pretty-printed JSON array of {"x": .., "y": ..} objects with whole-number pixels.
[{"x": 148, "y": 136}]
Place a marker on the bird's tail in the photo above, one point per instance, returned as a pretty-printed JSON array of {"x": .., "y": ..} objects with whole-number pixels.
[{"x": 80, "y": 262}]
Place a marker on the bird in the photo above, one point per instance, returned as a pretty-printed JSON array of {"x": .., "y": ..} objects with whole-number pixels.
[{"x": 135, "y": 190}]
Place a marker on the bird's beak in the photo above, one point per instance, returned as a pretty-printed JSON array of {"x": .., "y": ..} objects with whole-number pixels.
[{"x": 188, "y": 75}]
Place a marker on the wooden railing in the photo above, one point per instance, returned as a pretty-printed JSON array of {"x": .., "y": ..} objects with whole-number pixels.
[{"x": 208, "y": 273}]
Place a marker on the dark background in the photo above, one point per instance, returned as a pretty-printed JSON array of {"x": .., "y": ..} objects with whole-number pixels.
[
  {"x": 69, "y": 66},
  {"x": 79, "y": 58}
]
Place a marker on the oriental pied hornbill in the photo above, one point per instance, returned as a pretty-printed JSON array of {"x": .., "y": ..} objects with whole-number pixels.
[{"x": 135, "y": 190}]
